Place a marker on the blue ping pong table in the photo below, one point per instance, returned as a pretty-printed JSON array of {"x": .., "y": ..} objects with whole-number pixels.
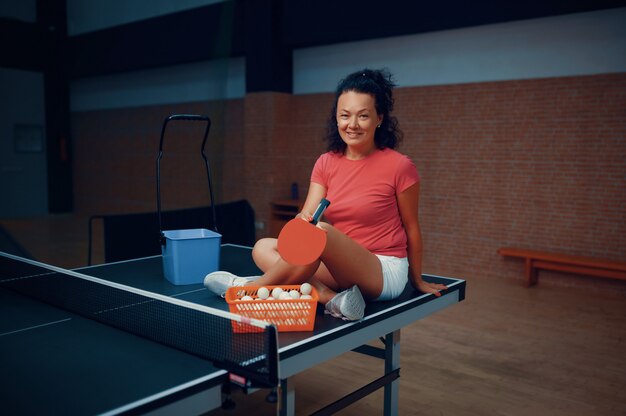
[{"x": 57, "y": 362}]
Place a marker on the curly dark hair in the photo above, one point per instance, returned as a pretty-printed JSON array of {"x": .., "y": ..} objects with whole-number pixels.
[{"x": 379, "y": 84}]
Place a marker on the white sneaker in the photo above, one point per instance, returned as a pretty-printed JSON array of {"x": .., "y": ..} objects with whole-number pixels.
[
  {"x": 348, "y": 305},
  {"x": 218, "y": 282}
]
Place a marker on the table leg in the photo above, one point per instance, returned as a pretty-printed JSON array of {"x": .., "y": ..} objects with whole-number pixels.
[
  {"x": 287, "y": 398},
  {"x": 392, "y": 362}
]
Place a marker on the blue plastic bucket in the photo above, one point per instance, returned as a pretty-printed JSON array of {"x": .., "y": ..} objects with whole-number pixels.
[{"x": 189, "y": 255}]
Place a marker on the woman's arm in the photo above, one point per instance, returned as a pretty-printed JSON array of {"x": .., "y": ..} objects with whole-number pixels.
[
  {"x": 313, "y": 198},
  {"x": 408, "y": 204}
]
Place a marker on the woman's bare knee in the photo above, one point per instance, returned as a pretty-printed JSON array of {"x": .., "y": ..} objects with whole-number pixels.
[
  {"x": 264, "y": 243},
  {"x": 264, "y": 253}
]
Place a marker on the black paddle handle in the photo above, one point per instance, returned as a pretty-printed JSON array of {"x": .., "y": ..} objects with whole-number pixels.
[{"x": 324, "y": 203}]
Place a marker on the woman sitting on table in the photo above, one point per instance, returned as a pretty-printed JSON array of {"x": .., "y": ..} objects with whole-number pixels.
[{"x": 374, "y": 244}]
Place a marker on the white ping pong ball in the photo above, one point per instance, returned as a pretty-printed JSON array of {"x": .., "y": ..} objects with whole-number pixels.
[
  {"x": 294, "y": 294},
  {"x": 284, "y": 296},
  {"x": 306, "y": 297},
  {"x": 246, "y": 297},
  {"x": 306, "y": 289},
  {"x": 263, "y": 293},
  {"x": 276, "y": 292}
]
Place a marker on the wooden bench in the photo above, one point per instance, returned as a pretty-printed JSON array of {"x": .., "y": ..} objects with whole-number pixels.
[{"x": 535, "y": 260}]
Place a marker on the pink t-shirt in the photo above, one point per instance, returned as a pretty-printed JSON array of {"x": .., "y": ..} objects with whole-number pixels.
[{"x": 362, "y": 195}]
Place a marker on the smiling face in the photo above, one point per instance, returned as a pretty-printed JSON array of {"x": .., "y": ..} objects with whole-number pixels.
[{"x": 357, "y": 121}]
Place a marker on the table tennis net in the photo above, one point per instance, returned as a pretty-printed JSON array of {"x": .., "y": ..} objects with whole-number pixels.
[{"x": 192, "y": 328}]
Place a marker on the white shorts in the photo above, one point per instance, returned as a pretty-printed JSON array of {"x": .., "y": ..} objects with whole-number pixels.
[{"x": 395, "y": 276}]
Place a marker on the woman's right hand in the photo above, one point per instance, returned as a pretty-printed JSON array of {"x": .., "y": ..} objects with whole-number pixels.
[{"x": 308, "y": 217}]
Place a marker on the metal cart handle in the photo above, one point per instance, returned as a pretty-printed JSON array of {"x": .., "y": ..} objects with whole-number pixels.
[{"x": 184, "y": 117}]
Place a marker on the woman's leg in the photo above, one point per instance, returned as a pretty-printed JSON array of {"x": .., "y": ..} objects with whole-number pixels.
[
  {"x": 350, "y": 264},
  {"x": 343, "y": 264},
  {"x": 278, "y": 272},
  {"x": 348, "y": 304}
]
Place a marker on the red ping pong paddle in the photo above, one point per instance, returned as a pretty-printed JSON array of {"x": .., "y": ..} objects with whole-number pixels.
[{"x": 301, "y": 242}]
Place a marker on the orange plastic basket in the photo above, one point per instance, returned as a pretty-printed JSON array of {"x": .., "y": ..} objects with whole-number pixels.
[{"x": 288, "y": 315}]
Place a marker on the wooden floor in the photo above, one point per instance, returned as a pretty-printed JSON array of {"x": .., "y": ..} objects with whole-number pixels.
[{"x": 505, "y": 350}]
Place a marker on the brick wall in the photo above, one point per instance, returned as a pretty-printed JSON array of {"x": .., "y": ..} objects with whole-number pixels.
[
  {"x": 538, "y": 164},
  {"x": 115, "y": 157},
  {"x": 532, "y": 163}
]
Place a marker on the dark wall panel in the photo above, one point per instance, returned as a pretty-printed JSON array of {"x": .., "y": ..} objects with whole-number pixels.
[
  {"x": 321, "y": 22},
  {"x": 193, "y": 35}
]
